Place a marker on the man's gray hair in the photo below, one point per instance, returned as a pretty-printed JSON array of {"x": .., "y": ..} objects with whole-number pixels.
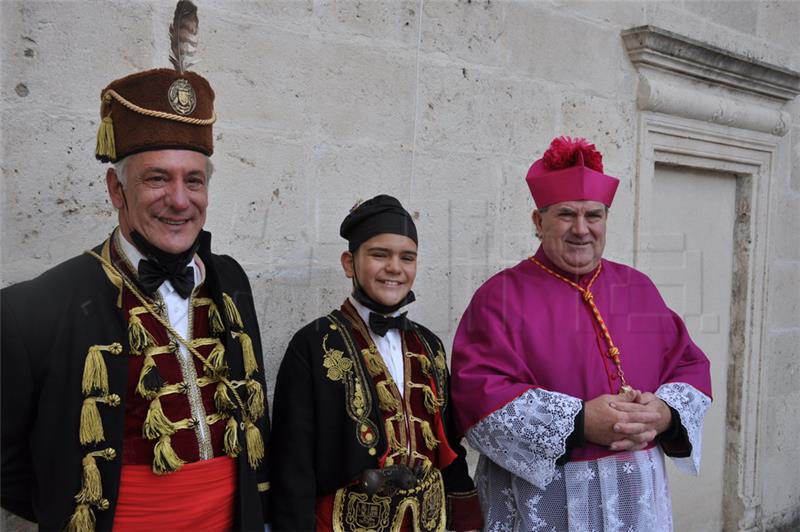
[{"x": 121, "y": 168}]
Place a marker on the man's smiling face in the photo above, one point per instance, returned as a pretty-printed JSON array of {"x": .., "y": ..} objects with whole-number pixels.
[
  {"x": 573, "y": 234},
  {"x": 164, "y": 198}
]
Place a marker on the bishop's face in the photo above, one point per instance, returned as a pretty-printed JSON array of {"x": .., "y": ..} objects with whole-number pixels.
[
  {"x": 165, "y": 197},
  {"x": 385, "y": 266},
  {"x": 573, "y": 234}
]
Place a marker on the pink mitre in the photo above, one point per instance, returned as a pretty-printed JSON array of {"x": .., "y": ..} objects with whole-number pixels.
[{"x": 570, "y": 170}]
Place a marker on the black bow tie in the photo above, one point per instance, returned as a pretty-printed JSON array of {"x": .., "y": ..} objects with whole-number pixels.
[
  {"x": 152, "y": 274},
  {"x": 380, "y": 323}
]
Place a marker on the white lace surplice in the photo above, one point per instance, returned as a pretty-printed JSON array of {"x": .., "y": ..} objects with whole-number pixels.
[{"x": 523, "y": 490}]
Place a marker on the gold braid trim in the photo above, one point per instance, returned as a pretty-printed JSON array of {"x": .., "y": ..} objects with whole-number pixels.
[
  {"x": 111, "y": 93},
  {"x": 91, "y": 427},
  {"x": 163, "y": 446},
  {"x": 95, "y": 373}
]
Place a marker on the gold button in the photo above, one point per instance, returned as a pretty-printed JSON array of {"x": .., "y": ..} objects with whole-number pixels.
[
  {"x": 371, "y": 452},
  {"x": 368, "y": 436},
  {"x": 332, "y": 326}
]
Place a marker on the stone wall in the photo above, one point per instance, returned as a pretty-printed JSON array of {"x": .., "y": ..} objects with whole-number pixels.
[{"x": 441, "y": 103}]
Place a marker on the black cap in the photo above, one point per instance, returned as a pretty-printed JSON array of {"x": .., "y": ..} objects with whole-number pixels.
[{"x": 381, "y": 214}]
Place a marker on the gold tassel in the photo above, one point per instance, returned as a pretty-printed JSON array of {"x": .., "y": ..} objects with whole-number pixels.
[
  {"x": 373, "y": 362},
  {"x": 91, "y": 428},
  {"x": 92, "y": 485},
  {"x": 215, "y": 320},
  {"x": 216, "y": 358},
  {"x": 222, "y": 400},
  {"x": 148, "y": 373},
  {"x": 95, "y": 374},
  {"x": 106, "y": 147},
  {"x": 425, "y": 364},
  {"x": 391, "y": 437},
  {"x": 432, "y": 403},
  {"x": 231, "y": 310},
  {"x": 248, "y": 355},
  {"x": 386, "y": 400},
  {"x": 427, "y": 434},
  {"x": 231, "y": 438},
  {"x": 255, "y": 398},
  {"x": 139, "y": 338},
  {"x": 82, "y": 520},
  {"x": 156, "y": 424},
  {"x": 165, "y": 460},
  {"x": 389, "y": 461},
  {"x": 255, "y": 444}
]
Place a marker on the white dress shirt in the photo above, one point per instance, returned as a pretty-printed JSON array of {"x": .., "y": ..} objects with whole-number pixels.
[{"x": 389, "y": 346}]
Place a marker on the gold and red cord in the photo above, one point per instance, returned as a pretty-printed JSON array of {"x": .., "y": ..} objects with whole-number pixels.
[{"x": 588, "y": 297}]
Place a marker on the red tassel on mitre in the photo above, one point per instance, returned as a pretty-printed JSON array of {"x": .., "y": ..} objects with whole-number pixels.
[
  {"x": 566, "y": 151},
  {"x": 570, "y": 170}
]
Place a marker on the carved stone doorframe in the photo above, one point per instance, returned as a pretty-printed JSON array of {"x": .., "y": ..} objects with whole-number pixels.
[{"x": 704, "y": 108}]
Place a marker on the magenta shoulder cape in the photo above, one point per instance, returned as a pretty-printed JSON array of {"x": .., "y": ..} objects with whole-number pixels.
[{"x": 526, "y": 329}]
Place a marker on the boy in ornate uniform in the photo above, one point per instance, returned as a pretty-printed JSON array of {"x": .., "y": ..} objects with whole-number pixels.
[{"x": 363, "y": 435}]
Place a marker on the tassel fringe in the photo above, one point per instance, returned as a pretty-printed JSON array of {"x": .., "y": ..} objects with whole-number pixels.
[
  {"x": 432, "y": 403},
  {"x": 91, "y": 428},
  {"x": 150, "y": 381},
  {"x": 156, "y": 425},
  {"x": 231, "y": 438},
  {"x": 95, "y": 373},
  {"x": 216, "y": 359},
  {"x": 373, "y": 362},
  {"x": 386, "y": 400},
  {"x": 255, "y": 399},
  {"x": 222, "y": 400},
  {"x": 255, "y": 445},
  {"x": 427, "y": 434},
  {"x": 82, "y": 520},
  {"x": 250, "y": 364},
  {"x": 233, "y": 313},
  {"x": 106, "y": 147},
  {"x": 391, "y": 437},
  {"x": 215, "y": 320},
  {"x": 165, "y": 460},
  {"x": 138, "y": 337}
]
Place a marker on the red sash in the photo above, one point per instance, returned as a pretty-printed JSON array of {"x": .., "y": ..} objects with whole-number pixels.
[{"x": 199, "y": 496}]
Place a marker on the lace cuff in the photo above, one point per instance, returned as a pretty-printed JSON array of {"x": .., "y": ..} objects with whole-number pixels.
[
  {"x": 691, "y": 404},
  {"x": 526, "y": 436}
]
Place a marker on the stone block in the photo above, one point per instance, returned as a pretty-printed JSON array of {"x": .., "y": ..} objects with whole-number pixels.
[
  {"x": 54, "y": 203},
  {"x": 784, "y": 278},
  {"x": 620, "y": 14},
  {"x": 782, "y": 365},
  {"x": 291, "y": 15},
  {"x": 608, "y": 123},
  {"x": 468, "y": 32},
  {"x": 387, "y": 23},
  {"x": 515, "y": 232},
  {"x": 779, "y": 451},
  {"x": 48, "y": 48},
  {"x": 786, "y": 225},
  {"x": 776, "y": 21},
  {"x": 476, "y": 111},
  {"x": 258, "y": 199},
  {"x": 740, "y": 15},
  {"x": 540, "y": 46}
]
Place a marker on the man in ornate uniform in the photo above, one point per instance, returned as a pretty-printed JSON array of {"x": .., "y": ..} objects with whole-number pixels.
[
  {"x": 132, "y": 381},
  {"x": 568, "y": 440},
  {"x": 362, "y": 426}
]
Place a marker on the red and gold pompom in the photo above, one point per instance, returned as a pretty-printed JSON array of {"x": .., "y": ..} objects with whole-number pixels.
[{"x": 563, "y": 153}]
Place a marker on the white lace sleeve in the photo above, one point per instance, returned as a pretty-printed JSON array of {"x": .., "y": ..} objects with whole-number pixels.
[
  {"x": 528, "y": 435},
  {"x": 691, "y": 404}
]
